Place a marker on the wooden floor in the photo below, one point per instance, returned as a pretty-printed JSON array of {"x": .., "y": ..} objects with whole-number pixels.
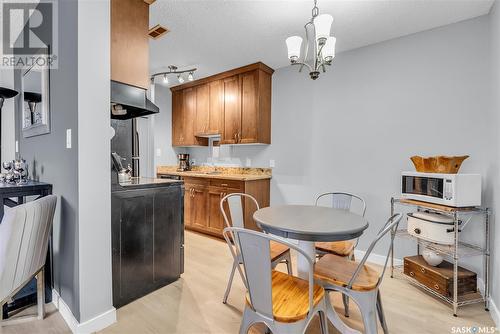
[{"x": 193, "y": 304}]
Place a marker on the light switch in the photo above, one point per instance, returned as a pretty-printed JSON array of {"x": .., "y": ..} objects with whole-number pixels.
[
  {"x": 272, "y": 163},
  {"x": 68, "y": 138},
  {"x": 158, "y": 152}
]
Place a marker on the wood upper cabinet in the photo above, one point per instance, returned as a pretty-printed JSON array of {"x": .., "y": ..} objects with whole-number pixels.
[
  {"x": 235, "y": 104},
  {"x": 129, "y": 42},
  {"x": 177, "y": 119},
  {"x": 216, "y": 106},
  {"x": 202, "y": 108},
  {"x": 232, "y": 110}
]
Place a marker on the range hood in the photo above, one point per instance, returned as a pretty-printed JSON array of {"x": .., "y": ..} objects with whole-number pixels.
[{"x": 129, "y": 102}]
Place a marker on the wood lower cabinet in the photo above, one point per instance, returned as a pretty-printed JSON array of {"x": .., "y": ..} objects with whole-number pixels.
[
  {"x": 202, "y": 202},
  {"x": 235, "y": 104}
]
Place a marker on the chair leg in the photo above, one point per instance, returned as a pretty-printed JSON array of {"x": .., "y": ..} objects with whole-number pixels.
[
  {"x": 381, "y": 316},
  {"x": 40, "y": 292},
  {"x": 323, "y": 322},
  {"x": 345, "y": 300},
  {"x": 247, "y": 321},
  {"x": 288, "y": 260},
  {"x": 367, "y": 302},
  {"x": 230, "y": 282}
]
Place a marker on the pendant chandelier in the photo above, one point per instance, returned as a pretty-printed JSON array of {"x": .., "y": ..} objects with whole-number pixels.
[{"x": 323, "y": 45}]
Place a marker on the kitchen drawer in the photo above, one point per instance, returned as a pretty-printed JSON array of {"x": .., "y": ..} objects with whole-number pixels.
[
  {"x": 440, "y": 278},
  {"x": 196, "y": 181},
  {"x": 233, "y": 184}
]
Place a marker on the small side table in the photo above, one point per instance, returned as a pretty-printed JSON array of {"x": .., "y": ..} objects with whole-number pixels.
[{"x": 12, "y": 195}]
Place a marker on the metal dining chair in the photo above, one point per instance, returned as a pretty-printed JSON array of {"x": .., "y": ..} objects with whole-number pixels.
[
  {"x": 24, "y": 237},
  {"x": 358, "y": 280},
  {"x": 279, "y": 252},
  {"x": 342, "y": 201},
  {"x": 284, "y": 303}
]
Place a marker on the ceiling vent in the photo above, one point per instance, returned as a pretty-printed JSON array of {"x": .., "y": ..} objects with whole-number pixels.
[{"x": 157, "y": 31}]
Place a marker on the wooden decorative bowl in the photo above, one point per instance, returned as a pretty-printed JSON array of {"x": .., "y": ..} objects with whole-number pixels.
[{"x": 439, "y": 164}]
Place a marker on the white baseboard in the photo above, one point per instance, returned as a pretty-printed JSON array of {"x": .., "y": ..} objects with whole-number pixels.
[
  {"x": 495, "y": 313},
  {"x": 376, "y": 258},
  {"x": 90, "y": 326}
]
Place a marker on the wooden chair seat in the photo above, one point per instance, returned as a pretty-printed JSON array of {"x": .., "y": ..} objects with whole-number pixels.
[
  {"x": 338, "y": 270},
  {"x": 290, "y": 297},
  {"x": 341, "y": 248},
  {"x": 277, "y": 250}
]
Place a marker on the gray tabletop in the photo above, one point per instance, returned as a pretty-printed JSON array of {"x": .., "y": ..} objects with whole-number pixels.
[{"x": 310, "y": 223}]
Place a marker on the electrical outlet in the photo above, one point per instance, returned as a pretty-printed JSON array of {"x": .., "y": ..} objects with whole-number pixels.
[
  {"x": 272, "y": 163},
  {"x": 68, "y": 138},
  {"x": 158, "y": 152},
  {"x": 248, "y": 162}
]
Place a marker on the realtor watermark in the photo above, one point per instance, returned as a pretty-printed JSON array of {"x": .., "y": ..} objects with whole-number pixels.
[
  {"x": 473, "y": 330},
  {"x": 29, "y": 34}
]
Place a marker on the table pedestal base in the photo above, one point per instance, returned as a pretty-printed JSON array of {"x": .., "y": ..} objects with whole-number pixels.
[{"x": 302, "y": 263}]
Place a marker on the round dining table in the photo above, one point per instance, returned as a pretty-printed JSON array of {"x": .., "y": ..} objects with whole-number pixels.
[{"x": 308, "y": 224}]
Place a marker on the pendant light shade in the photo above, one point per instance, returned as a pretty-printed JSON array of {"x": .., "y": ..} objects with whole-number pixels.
[
  {"x": 329, "y": 48},
  {"x": 293, "y": 44},
  {"x": 323, "y": 24}
]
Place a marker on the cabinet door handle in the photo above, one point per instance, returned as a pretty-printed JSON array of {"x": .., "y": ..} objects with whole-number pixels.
[
  {"x": 235, "y": 137},
  {"x": 198, "y": 190},
  {"x": 412, "y": 274},
  {"x": 224, "y": 184},
  {"x": 239, "y": 137},
  {"x": 192, "y": 192},
  {"x": 422, "y": 270},
  {"x": 436, "y": 286}
]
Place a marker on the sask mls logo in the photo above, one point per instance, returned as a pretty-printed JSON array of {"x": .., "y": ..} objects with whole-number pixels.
[{"x": 29, "y": 33}]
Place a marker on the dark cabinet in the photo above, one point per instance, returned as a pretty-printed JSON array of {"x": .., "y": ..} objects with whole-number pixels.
[{"x": 147, "y": 241}]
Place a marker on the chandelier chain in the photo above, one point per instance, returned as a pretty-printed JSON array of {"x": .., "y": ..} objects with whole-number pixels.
[{"x": 315, "y": 10}]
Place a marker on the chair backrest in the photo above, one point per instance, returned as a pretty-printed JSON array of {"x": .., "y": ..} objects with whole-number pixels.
[
  {"x": 343, "y": 201},
  {"x": 254, "y": 248},
  {"x": 24, "y": 236},
  {"x": 390, "y": 226},
  {"x": 235, "y": 204}
]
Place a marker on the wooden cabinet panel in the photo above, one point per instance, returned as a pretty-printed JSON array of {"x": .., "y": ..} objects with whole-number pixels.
[
  {"x": 249, "y": 108},
  {"x": 129, "y": 42},
  {"x": 202, "y": 109},
  {"x": 215, "y": 220},
  {"x": 216, "y": 101},
  {"x": 177, "y": 119},
  {"x": 232, "y": 110},
  {"x": 195, "y": 205},
  {"x": 188, "y": 116}
]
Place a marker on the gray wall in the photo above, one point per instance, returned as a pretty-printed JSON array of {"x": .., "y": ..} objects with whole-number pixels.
[
  {"x": 162, "y": 123},
  {"x": 355, "y": 128},
  {"x": 495, "y": 108},
  {"x": 51, "y": 162},
  {"x": 94, "y": 179},
  {"x": 8, "y": 129}
]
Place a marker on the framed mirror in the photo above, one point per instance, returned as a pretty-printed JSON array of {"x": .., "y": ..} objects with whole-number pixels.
[{"x": 36, "y": 105}]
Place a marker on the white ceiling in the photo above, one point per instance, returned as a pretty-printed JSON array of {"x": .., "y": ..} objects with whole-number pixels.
[{"x": 218, "y": 35}]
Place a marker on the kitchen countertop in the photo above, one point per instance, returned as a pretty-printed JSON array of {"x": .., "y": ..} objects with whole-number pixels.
[
  {"x": 145, "y": 183},
  {"x": 223, "y": 173}
]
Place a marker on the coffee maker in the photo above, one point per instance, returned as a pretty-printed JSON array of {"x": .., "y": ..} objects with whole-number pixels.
[{"x": 183, "y": 162}]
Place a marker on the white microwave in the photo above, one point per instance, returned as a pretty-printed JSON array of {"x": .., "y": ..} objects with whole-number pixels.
[{"x": 457, "y": 190}]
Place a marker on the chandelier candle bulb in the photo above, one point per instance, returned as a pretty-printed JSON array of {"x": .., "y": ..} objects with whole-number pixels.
[
  {"x": 294, "y": 44},
  {"x": 180, "y": 78},
  {"x": 165, "y": 79},
  {"x": 322, "y": 25},
  {"x": 190, "y": 77},
  {"x": 329, "y": 49}
]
